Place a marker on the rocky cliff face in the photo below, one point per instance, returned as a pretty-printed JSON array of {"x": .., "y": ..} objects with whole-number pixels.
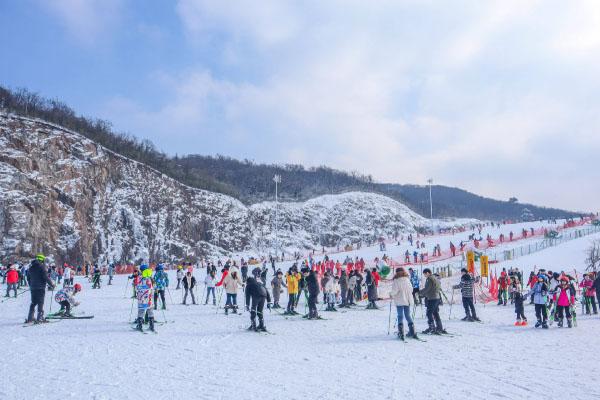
[{"x": 67, "y": 196}]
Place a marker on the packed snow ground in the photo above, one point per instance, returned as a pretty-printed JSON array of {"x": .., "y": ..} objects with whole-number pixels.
[{"x": 202, "y": 354}]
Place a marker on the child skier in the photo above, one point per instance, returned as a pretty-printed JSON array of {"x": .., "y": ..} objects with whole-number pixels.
[
  {"x": 96, "y": 277},
  {"x": 231, "y": 283},
  {"x": 519, "y": 300},
  {"x": 540, "y": 298},
  {"x": 144, "y": 291},
  {"x": 276, "y": 284},
  {"x": 66, "y": 298},
  {"x": 179, "y": 276},
  {"x": 161, "y": 280},
  {"x": 466, "y": 290},
  {"x": 589, "y": 294},
  {"x": 210, "y": 281},
  {"x": 564, "y": 298},
  {"x": 256, "y": 295}
]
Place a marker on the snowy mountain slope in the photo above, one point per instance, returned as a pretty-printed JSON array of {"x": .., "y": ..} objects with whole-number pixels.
[{"x": 69, "y": 197}]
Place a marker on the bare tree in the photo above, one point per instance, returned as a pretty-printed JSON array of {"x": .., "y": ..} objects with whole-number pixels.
[{"x": 593, "y": 256}]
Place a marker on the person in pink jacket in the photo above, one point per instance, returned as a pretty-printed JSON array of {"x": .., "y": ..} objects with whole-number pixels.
[
  {"x": 565, "y": 298},
  {"x": 589, "y": 294}
]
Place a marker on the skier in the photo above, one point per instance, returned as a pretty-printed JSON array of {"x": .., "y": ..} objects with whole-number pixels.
[
  {"x": 179, "y": 276},
  {"x": 37, "y": 276},
  {"x": 503, "y": 288},
  {"x": 402, "y": 294},
  {"x": 519, "y": 300},
  {"x": 210, "y": 282},
  {"x": 258, "y": 294},
  {"x": 144, "y": 291},
  {"x": 540, "y": 298},
  {"x": 415, "y": 281},
  {"x": 312, "y": 286},
  {"x": 231, "y": 283},
  {"x": 565, "y": 298},
  {"x": 188, "y": 285},
  {"x": 292, "y": 287},
  {"x": 371, "y": 291},
  {"x": 329, "y": 290},
  {"x": 343, "y": 282},
  {"x": 431, "y": 293},
  {"x": 161, "y": 282},
  {"x": 352, "y": 282},
  {"x": 276, "y": 284},
  {"x": 589, "y": 294},
  {"x": 135, "y": 278},
  {"x": 65, "y": 297},
  {"x": 96, "y": 277},
  {"x": 111, "y": 272},
  {"x": 466, "y": 290},
  {"x": 12, "y": 278}
]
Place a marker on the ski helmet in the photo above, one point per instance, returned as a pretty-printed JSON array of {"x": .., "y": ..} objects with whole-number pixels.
[
  {"x": 160, "y": 267},
  {"x": 143, "y": 267},
  {"x": 77, "y": 287},
  {"x": 40, "y": 257},
  {"x": 147, "y": 273}
]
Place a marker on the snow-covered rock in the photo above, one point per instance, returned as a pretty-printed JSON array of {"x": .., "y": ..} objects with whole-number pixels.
[{"x": 69, "y": 197}]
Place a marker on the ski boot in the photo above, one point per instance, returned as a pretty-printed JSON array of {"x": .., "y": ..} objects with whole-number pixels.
[
  {"x": 466, "y": 318},
  {"x": 524, "y": 322},
  {"x": 252, "y": 326},
  {"x": 226, "y": 310},
  {"x": 518, "y": 323},
  {"x": 411, "y": 331},
  {"x": 545, "y": 325},
  {"x": 569, "y": 323},
  {"x": 401, "y": 331},
  {"x": 538, "y": 323},
  {"x": 138, "y": 326},
  {"x": 476, "y": 319},
  {"x": 560, "y": 323},
  {"x": 261, "y": 326},
  {"x": 429, "y": 330},
  {"x": 151, "y": 324},
  {"x": 440, "y": 331},
  {"x": 234, "y": 310},
  {"x": 470, "y": 319}
]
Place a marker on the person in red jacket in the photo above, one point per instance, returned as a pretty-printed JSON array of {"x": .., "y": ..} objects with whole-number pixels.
[
  {"x": 503, "y": 289},
  {"x": 376, "y": 277},
  {"x": 225, "y": 271},
  {"x": 12, "y": 278}
]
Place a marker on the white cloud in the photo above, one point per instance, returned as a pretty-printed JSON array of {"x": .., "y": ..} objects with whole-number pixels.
[
  {"x": 86, "y": 21},
  {"x": 466, "y": 92}
]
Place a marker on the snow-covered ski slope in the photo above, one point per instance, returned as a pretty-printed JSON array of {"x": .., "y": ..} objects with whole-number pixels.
[{"x": 202, "y": 354}]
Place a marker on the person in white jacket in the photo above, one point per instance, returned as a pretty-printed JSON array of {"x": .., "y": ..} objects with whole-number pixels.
[
  {"x": 210, "y": 282},
  {"x": 231, "y": 283},
  {"x": 67, "y": 277},
  {"x": 402, "y": 295},
  {"x": 329, "y": 290}
]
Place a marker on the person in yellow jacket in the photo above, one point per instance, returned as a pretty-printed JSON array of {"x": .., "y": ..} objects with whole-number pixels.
[{"x": 291, "y": 280}]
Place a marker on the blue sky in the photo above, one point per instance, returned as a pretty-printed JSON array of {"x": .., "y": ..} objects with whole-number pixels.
[{"x": 500, "y": 98}]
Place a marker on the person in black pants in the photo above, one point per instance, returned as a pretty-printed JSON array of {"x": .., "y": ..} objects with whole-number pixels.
[
  {"x": 466, "y": 290},
  {"x": 256, "y": 296},
  {"x": 38, "y": 278},
  {"x": 431, "y": 293},
  {"x": 312, "y": 285}
]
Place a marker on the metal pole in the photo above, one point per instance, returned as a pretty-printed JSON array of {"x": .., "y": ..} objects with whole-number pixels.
[
  {"x": 277, "y": 180},
  {"x": 430, "y": 181}
]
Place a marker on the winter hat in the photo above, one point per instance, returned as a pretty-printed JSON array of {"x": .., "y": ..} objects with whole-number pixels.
[
  {"x": 40, "y": 257},
  {"x": 426, "y": 271},
  {"x": 464, "y": 270}
]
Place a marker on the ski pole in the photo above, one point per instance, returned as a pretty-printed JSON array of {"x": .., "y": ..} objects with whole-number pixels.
[
  {"x": 451, "y": 304},
  {"x": 390, "y": 316},
  {"x": 51, "y": 297},
  {"x": 126, "y": 286},
  {"x": 131, "y": 310},
  {"x": 164, "y": 316},
  {"x": 171, "y": 297}
]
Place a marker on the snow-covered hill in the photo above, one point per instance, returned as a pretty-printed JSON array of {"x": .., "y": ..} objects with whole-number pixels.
[{"x": 67, "y": 196}]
